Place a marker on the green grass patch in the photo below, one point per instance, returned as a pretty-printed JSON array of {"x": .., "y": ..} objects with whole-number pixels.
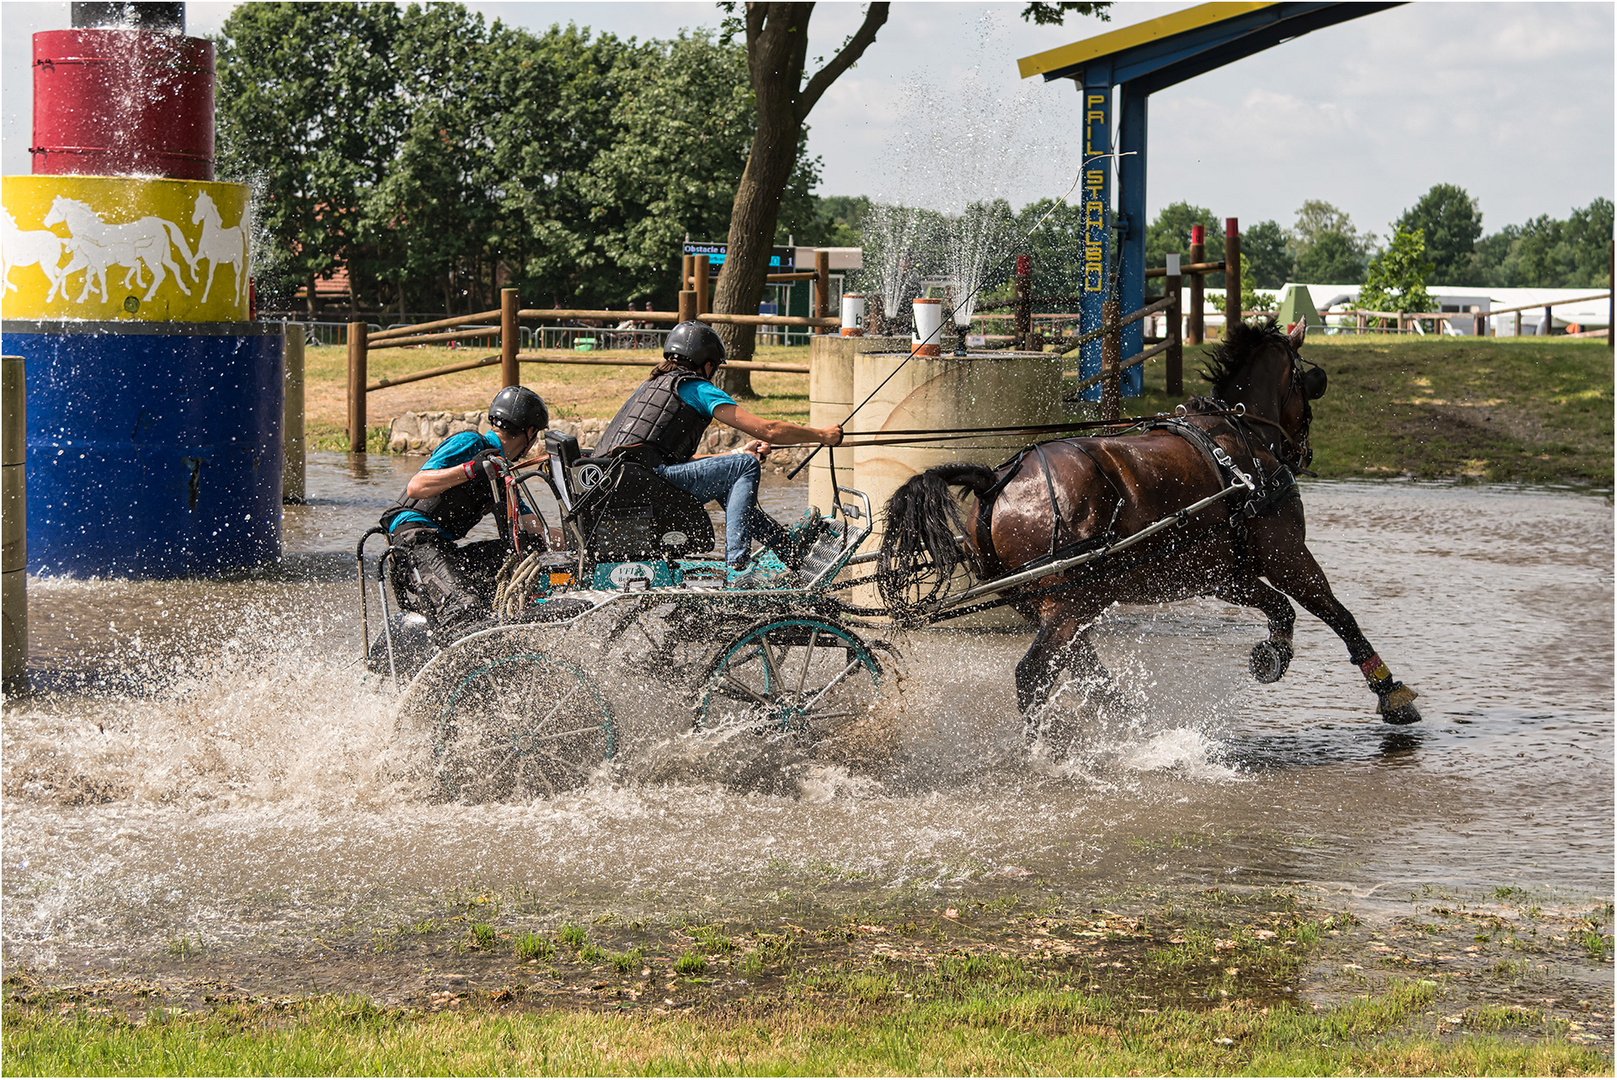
[
  {"x": 1452, "y": 408},
  {"x": 971, "y": 1016}
]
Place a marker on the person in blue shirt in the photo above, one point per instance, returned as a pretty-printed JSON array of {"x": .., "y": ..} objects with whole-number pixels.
[
  {"x": 662, "y": 423},
  {"x": 448, "y": 496}
]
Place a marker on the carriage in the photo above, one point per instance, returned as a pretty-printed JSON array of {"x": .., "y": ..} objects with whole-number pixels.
[{"x": 627, "y": 610}]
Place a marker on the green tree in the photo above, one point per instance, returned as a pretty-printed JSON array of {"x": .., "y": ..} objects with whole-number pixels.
[
  {"x": 1170, "y": 234},
  {"x": 1317, "y": 219},
  {"x": 1266, "y": 251},
  {"x": 1333, "y": 258},
  {"x": 1396, "y": 280},
  {"x": 1451, "y": 222},
  {"x": 307, "y": 113}
]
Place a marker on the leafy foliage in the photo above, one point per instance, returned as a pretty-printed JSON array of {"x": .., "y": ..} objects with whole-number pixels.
[
  {"x": 1333, "y": 257},
  {"x": 439, "y": 157},
  {"x": 1396, "y": 280},
  {"x": 1266, "y": 253},
  {"x": 1170, "y": 233},
  {"x": 1451, "y": 222}
]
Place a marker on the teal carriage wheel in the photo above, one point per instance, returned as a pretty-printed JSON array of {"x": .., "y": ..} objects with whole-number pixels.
[
  {"x": 790, "y": 676},
  {"x": 520, "y": 726}
]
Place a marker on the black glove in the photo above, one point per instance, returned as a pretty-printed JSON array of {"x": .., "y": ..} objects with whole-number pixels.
[{"x": 489, "y": 463}]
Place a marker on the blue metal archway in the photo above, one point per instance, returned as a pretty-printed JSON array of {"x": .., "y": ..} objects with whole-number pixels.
[{"x": 1140, "y": 60}]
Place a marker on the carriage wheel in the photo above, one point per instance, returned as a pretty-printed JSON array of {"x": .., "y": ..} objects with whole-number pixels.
[
  {"x": 520, "y": 726},
  {"x": 790, "y": 676}
]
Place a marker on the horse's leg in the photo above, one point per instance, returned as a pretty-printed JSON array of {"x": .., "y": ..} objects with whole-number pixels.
[
  {"x": 1271, "y": 658},
  {"x": 1300, "y": 577},
  {"x": 1061, "y": 644}
]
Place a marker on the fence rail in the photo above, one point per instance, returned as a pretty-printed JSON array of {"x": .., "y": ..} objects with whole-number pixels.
[{"x": 516, "y": 341}]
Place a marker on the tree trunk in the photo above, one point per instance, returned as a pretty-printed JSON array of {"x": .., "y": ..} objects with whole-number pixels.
[{"x": 777, "y": 45}]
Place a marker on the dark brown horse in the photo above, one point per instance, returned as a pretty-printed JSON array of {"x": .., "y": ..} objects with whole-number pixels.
[{"x": 1064, "y": 498}]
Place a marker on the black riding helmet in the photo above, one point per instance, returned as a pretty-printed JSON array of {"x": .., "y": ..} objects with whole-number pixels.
[
  {"x": 693, "y": 344},
  {"x": 516, "y": 408}
]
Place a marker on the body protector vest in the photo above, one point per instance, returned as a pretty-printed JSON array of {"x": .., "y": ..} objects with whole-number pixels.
[
  {"x": 454, "y": 511},
  {"x": 655, "y": 424}
]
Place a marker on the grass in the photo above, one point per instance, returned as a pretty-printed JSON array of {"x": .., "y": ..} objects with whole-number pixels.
[
  {"x": 971, "y": 1015},
  {"x": 1445, "y": 408}
]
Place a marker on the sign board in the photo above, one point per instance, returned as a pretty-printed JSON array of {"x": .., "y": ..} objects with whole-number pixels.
[{"x": 781, "y": 259}]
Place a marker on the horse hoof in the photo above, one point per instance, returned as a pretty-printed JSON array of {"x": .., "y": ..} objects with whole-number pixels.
[
  {"x": 1397, "y": 706},
  {"x": 1403, "y": 714},
  {"x": 1270, "y": 659}
]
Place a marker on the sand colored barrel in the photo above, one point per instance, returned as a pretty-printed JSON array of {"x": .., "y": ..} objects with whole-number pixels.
[
  {"x": 14, "y": 525},
  {"x": 946, "y": 392},
  {"x": 831, "y": 400}
]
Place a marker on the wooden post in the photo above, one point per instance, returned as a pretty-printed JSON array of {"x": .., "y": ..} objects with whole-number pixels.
[
  {"x": 1611, "y": 299},
  {"x": 1518, "y": 324},
  {"x": 357, "y": 332},
  {"x": 1172, "y": 283},
  {"x": 1022, "y": 303},
  {"x": 1198, "y": 254},
  {"x": 293, "y": 458},
  {"x": 687, "y": 278},
  {"x": 687, "y": 305},
  {"x": 1546, "y": 327},
  {"x": 699, "y": 271},
  {"x": 1111, "y": 361},
  {"x": 1232, "y": 272},
  {"x": 14, "y": 525},
  {"x": 510, "y": 339},
  {"x": 822, "y": 288}
]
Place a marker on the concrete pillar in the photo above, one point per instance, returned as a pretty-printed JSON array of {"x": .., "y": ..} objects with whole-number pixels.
[
  {"x": 831, "y": 400},
  {"x": 946, "y": 392}
]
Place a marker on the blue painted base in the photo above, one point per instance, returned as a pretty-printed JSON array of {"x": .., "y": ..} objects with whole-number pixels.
[
  {"x": 154, "y": 450},
  {"x": 1133, "y": 381}
]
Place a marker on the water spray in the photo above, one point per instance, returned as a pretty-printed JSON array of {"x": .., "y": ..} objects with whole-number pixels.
[{"x": 919, "y": 342}]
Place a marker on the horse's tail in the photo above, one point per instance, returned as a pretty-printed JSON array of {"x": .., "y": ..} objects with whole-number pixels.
[
  {"x": 178, "y": 237},
  {"x": 919, "y": 550}
]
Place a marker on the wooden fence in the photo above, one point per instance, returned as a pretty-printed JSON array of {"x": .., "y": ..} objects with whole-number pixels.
[{"x": 693, "y": 300}]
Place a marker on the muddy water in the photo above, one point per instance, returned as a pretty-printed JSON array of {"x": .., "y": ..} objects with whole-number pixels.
[{"x": 209, "y": 760}]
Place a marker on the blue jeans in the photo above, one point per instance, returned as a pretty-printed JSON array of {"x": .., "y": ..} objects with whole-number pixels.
[{"x": 733, "y": 480}]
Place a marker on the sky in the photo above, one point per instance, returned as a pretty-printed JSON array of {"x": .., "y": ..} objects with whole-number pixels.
[{"x": 1511, "y": 101}]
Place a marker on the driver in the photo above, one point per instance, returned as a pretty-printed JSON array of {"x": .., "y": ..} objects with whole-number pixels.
[
  {"x": 662, "y": 424},
  {"x": 446, "y": 498}
]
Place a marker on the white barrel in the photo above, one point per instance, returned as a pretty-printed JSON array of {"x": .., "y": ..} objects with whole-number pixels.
[
  {"x": 853, "y": 314},
  {"x": 928, "y": 326}
]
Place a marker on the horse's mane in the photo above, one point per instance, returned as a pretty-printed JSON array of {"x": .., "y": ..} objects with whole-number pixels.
[{"x": 1241, "y": 343}]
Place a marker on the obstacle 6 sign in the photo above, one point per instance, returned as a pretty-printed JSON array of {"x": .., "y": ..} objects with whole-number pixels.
[{"x": 105, "y": 248}]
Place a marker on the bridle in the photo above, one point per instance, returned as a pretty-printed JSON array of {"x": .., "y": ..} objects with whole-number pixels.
[{"x": 1294, "y": 451}]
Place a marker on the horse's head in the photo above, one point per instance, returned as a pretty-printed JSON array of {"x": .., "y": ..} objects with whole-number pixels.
[
  {"x": 57, "y": 213},
  {"x": 1259, "y": 368},
  {"x": 204, "y": 210}
]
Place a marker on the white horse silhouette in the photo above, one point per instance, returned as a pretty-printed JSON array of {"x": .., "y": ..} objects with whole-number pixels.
[
  {"x": 98, "y": 246},
  {"x": 219, "y": 244},
  {"x": 30, "y": 247}
]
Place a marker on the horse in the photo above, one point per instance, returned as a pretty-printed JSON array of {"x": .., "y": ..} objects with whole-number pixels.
[
  {"x": 98, "y": 246},
  {"x": 1070, "y": 496},
  {"x": 219, "y": 244},
  {"x": 30, "y": 247}
]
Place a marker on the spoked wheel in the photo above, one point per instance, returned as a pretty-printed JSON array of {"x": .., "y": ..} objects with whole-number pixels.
[
  {"x": 519, "y": 726},
  {"x": 799, "y": 676}
]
